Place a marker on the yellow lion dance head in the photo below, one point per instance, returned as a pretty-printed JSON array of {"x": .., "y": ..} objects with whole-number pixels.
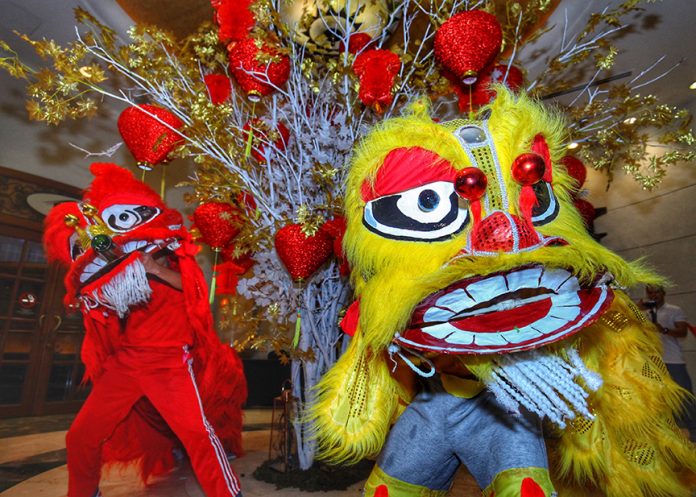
[{"x": 463, "y": 240}]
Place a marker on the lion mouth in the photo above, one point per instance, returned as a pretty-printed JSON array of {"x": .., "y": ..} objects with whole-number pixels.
[
  {"x": 101, "y": 265},
  {"x": 520, "y": 309}
]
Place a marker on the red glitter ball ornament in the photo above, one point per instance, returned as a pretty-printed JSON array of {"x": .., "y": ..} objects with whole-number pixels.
[
  {"x": 148, "y": 139},
  {"x": 301, "y": 254},
  {"x": 377, "y": 70},
  {"x": 587, "y": 212},
  {"x": 258, "y": 67},
  {"x": 262, "y": 134},
  {"x": 218, "y": 223},
  {"x": 467, "y": 42},
  {"x": 234, "y": 20},
  {"x": 576, "y": 169},
  {"x": 471, "y": 183},
  {"x": 528, "y": 169},
  {"x": 219, "y": 87}
]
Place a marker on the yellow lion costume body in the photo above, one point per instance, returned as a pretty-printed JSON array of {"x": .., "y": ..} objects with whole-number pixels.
[{"x": 472, "y": 268}]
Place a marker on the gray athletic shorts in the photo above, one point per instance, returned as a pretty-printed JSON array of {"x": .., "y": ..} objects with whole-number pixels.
[{"x": 437, "y": 432}]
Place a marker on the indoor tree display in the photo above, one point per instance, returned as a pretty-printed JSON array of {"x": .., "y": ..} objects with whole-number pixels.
[{"x": 269, "y": 99}]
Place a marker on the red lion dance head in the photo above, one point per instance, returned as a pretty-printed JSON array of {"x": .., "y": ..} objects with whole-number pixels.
[{"x": 102, "y": 237}]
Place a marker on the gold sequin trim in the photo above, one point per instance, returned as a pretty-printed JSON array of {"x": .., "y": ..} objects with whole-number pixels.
[
  {"x": 614, "y": 320},
  {"x": 637, "y": 313},
  {"x": 582, "y": 425},
  {"x": 640, "y": 453}
]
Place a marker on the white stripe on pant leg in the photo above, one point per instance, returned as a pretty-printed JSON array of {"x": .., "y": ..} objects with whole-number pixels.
[{"x": 230, "y": 479}]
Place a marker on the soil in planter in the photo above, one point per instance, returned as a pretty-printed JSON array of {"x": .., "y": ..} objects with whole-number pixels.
[{"x": 319, "y": 477}]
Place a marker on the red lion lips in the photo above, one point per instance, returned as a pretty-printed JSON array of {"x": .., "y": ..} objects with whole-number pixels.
[{"x": 521, "y": 309}]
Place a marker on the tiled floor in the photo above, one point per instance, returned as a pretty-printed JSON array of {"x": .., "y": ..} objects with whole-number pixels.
[{"x": 33, "y": 465}]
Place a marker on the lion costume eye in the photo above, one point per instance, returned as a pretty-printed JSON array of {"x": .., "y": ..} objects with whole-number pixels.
[
  {"x": 122, "y": 218},
  {"x": 547, "y": 206},
  {"x": 430, "y": 212},
  {"x": 75, "y": 247}
]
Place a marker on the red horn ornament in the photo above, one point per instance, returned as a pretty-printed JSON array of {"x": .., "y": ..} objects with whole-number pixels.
[
  {"x": 302, "y": 255},
  {"x": 467, "y": 42},
  {"x": 218, "y": 223},
  {"x": 148, "y": 139},
  {"x": 258, "y": 67}
]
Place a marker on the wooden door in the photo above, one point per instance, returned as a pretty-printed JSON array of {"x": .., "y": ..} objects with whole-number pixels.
[{"x": 40, "y": 368}]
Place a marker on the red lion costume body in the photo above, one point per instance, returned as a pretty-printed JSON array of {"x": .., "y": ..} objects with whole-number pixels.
[{"x": 161, "y": 375}]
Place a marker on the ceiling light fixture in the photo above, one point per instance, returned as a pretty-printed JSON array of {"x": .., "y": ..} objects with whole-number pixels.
[
  {"x": 573, "y": 145},
  {"x": 692, "y": 86},
  {"x": 630, "y": 120}
]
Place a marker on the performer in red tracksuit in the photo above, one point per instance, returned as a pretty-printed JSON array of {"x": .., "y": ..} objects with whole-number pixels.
[{"x": 148, "y": 327}]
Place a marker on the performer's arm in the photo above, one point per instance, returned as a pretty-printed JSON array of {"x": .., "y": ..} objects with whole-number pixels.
[
  {"x": 679, "y": 331},
  {"x": 157, "y": 269}
]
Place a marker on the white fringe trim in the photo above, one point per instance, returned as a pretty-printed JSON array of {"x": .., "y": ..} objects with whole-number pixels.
[
  {"x": 545, "y": 384},
  {"x": 129, "y": 287}
]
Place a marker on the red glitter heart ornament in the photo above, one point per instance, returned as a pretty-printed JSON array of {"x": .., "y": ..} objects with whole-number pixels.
[
  {"x": 576, "y": 169},
  {"x": 302, "y": 255},
  {"x": 258, "y": 67},
  {"x": 467, "y": 42},
  {"x": 218, "y": 223},
  {"x": 587, "y": 212},
  {"x": 148, "y": 139}
]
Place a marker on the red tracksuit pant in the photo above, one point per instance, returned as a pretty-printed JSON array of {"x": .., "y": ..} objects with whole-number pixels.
[{"x": 166, "y": 378}]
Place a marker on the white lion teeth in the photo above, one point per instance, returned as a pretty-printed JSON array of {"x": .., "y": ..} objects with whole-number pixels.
[
  {"x": 99, "y": 261},
  {"x": 487, "y": 288}
]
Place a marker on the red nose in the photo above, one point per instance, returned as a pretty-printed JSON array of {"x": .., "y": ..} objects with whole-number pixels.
[{"x": 502, "y": 232}]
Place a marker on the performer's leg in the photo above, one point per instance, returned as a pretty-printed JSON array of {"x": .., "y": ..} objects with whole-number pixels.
[
  {"x": 107, "y": 405},
  {"x": 505, "y": 453},
  {"x": 175, "y": 395},
  {"x": 417, "y": 459}
]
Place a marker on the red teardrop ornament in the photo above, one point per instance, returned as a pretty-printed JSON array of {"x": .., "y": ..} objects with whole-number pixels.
[
  {"x": 148, "y": 139},
  {"x": 258, "y": 67},
  {"x": 467, "y": 42},
  {"x": 302, "y": 255},
  {"x": 471, "y": 183},
  {"x": 218, "y": 223},
  {"x": 528, "y": 169},
  {"x": 219, "y": 87}
]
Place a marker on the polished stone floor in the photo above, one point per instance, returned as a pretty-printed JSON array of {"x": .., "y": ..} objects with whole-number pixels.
[{"x": 32, "y": 464}]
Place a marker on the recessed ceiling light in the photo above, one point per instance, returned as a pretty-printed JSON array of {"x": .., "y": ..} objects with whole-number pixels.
[
  {"x": 573, "y": 145},
  {"x": 630, "y": 120},
  {"x": 692, "y": 86}
]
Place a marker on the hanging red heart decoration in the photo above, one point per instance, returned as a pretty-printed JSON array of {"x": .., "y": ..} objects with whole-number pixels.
[
  {"x": 467, "y": 42},
  {"x": 576, "y": 169},
  {"x": 258, "y": 67},
  {"x": 377, "y": 70},
  {"x": 218, "y": 223},
  {"x": 262, "y": 133},
  {"x": 234, "y": 20},
  {"x": 302, "y": 255},
  {"x": 149, "y": 139},
  {"x": 219, "y": 87}
]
